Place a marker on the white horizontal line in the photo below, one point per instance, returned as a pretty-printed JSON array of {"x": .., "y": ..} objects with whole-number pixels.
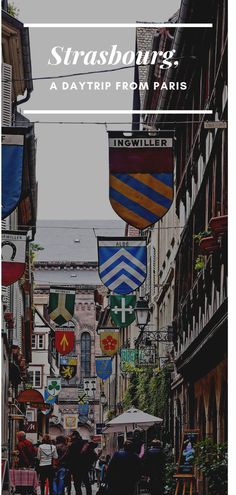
[
  {"x": 117, "y": 112},
  {"x": 118, "y": 25}
]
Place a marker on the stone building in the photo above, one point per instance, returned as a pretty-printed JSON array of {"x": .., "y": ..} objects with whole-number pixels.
[
  {"x": 69, "y": 258},
  {"x": 192, "y": 260},
  {"x": 17, "y": 316}
]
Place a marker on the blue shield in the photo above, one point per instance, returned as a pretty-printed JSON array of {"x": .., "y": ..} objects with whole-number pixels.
[
  {"x": 122, "y": 263},
  {"x": 103, "y": 367},
  {"x": 12, "y": 169},
  {"x": 83, "y": 410},
  {"x": 49, "y": 399}
]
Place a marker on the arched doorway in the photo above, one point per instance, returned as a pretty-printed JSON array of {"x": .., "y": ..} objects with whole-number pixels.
[{"x": 85, "y": 355}]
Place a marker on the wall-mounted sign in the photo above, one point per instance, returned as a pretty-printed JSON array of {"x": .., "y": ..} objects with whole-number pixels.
[{"x": 70, "y": 421}]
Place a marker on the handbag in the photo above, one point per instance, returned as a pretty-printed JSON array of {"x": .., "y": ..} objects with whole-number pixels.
[{"x": 103, "y": 489}]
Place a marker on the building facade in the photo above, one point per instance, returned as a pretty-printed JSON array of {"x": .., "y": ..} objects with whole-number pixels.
[
  {"x": 191, "y": 240},
  {"x": 17, "y": 313}
]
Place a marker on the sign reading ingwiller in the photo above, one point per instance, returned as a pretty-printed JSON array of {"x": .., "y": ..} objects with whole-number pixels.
[{"x": 112, "y": 69}]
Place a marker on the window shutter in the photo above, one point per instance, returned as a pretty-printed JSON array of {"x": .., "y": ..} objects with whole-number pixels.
[{"x": 7, "y": 95}]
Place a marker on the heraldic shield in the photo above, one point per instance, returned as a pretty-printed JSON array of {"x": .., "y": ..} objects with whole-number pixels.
[
  {"x": 109, "y": 341},
  {"x": 141, "y": 176},
  {"x": 68, "y": 367},
  {"x": 13, "y": 256},
  {"x": 13, "y": 144},
  {"x": 103, "y": 367},
  {"x": 61, "y": 304},
  {"x": 64, "y": 341},
  {"x": 122, "y": 310},
  {"x": 122, "y": 263}
]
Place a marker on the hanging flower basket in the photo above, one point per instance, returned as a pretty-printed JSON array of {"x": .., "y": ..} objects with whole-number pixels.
[
  {"x": 218, "y": 225},
  {"x": 208, "y": 245}
]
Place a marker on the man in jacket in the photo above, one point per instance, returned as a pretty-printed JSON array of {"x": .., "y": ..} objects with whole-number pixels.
[
  {"x": 124, "y": 471},
  {"x": 154, "y": 467},
  {"x": 27, "y": 452},
  {"x": 74, "y": 461}
]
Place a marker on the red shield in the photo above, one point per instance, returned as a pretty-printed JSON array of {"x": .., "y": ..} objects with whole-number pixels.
[
  {"x": 64, "y": 341},
  {"x": 13, "y": 256}
]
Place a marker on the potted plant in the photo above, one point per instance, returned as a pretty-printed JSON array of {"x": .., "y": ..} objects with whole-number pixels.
[
  {"x": 208, "y": 245},
  {"x": 218, "y": 225},
  {"x": 211, "y": 459}
]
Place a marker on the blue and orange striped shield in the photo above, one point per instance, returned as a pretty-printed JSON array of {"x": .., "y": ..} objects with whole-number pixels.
[{"x": 141, "y": 176}]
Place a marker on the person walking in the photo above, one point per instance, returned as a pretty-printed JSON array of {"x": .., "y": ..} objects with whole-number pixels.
[
  {"x": 87, "y": 459},
  {"x": 124, "y": 471},
  {"x": 46, "y": 455},
  {"x": 61, "y": 463},
  {"x": 26, "y": 451},
  {"x": 154, "y": 467},
  {"x": 74, "y": 459}
]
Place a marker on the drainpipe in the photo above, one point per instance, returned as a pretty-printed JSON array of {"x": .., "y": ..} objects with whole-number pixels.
[
  {"x": 176, "y": 44},
  {"x": 27, "y": 66}
]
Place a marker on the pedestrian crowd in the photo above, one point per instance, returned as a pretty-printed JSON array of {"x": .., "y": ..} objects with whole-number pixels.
[{"x": 73, "y": 458}]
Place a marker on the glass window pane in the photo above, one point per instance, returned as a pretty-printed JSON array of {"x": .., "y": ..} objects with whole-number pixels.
[
  {"x": 85, "y": 355},
  {"x": 33, "y": 341},
  {"x": 31, "y": 377},
  {"x": 37, "y": 379},
  {"x": 40, "y": 341}
]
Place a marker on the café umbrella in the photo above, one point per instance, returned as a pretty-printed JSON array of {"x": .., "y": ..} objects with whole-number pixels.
[{"x": 130, "y": 420}]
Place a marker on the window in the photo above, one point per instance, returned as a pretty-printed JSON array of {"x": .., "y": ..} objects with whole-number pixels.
[
  {"x": 85, "y": 355},
  {"x": 37, "y": 341},
  {"x": 40, "y": 342},
  {"x": 35, "y": 377},
  {"x": 33, "y": 341}
]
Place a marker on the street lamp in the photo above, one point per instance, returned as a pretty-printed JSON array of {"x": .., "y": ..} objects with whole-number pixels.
[
  {"x": 103, "y": 399},
  {"x": 142, "y": 312}
]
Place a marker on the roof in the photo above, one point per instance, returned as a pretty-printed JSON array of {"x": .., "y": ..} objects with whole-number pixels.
[
  {"x": 73, "y": 240},
  {"x": 69, "y": 256}
]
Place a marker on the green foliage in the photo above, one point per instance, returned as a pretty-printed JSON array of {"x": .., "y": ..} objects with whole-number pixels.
[
  {"x": 199, "y": 263},
  {"x": 149, "y": 392},
  {"x": 170, "y": 482},
  {"x": 13, "y": 10},
  {"x": 212, "y": 461},
  {"x": 198, "y": 237},
  {"x": 34, "y": 248}
]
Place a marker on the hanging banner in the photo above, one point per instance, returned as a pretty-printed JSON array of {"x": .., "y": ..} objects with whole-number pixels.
[
  {"x": 103, "y": 367},
  {"x": 128, "y": 359},
  {"x": 70, "y": 421},
  {"x": 141, "y": 176},
  {"x": 122, "y": 310},
  {"x": 64, "y": 341},
  {"x": 109, "y": 341},
  {"x": 122, "y": 263},
  {"x": 83, "y": 410},
  {"x": 54, "y": 386},
  {"x": 68, "y": 367},
  {"x": 90, "y": 386},
  {"x": 61, "y": 304},
  {"x": 13, "y": 256},
  {"x": 49, "y": 398},
  {"x": 12, "y": 169}
]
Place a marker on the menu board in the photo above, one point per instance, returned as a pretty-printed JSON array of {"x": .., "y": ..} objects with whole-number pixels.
[{"x": 188, "y": 452}]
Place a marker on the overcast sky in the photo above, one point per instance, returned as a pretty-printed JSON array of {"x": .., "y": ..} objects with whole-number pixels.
[{"x": 72, "y": 160}]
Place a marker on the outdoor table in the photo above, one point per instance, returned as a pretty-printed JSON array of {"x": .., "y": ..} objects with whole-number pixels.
[{"x": 24, "y": 480}]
